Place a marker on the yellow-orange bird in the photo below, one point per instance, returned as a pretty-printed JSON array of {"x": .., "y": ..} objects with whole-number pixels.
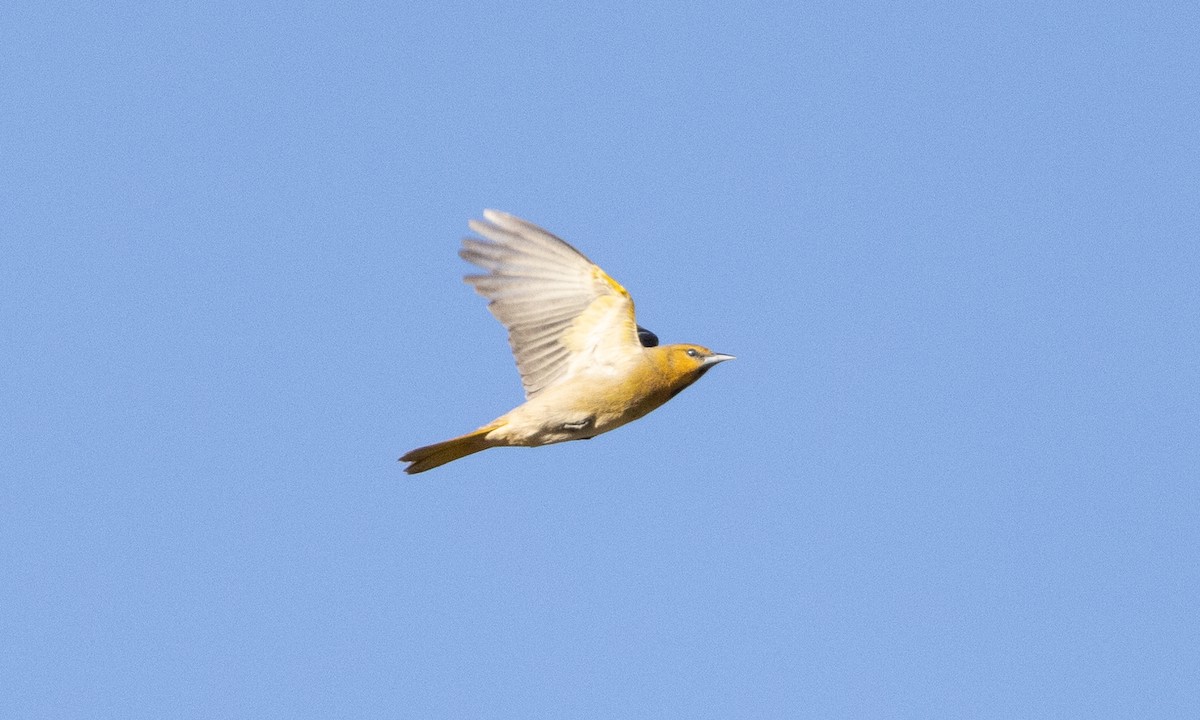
[{"x": 585, "y": 368}]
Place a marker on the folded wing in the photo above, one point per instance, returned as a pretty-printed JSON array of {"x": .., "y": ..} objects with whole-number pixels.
[{"x": 563, "y": 313}]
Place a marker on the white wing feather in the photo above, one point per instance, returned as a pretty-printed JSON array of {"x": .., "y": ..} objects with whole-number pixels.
[{"x": 563, "y": 312}]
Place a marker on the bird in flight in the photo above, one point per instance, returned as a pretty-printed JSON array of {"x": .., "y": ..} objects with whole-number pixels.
[{"x": 586, "y": 365}]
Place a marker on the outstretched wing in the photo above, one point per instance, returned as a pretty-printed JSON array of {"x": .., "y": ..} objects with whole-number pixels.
[{"x": 562, "y": 311}]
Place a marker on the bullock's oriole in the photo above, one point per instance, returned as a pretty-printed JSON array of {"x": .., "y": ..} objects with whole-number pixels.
[{"x": 586, "y": 366}]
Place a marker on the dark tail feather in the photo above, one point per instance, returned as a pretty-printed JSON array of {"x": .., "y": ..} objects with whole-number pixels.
[{"x": 431, "y": 456}]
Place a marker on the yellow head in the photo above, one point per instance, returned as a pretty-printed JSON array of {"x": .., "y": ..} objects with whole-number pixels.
[{"x": 684, "y": 364}]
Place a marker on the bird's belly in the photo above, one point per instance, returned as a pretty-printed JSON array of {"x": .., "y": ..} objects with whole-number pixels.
[
  {"x": 568, "y": 414},
  {"x": 559, "y": 427}
]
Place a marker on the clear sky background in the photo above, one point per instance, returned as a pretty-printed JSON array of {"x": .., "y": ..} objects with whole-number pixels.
[{"x": 952, "y": 474}]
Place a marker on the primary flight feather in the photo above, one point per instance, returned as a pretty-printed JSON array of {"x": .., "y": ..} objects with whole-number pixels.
[{"x": 586, "y": 366}]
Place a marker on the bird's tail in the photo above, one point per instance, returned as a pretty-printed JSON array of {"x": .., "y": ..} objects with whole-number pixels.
[{"x": 431, "y": 456}]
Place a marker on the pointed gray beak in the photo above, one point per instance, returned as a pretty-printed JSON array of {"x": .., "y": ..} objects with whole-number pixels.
[{"x": 717, "y": 357}]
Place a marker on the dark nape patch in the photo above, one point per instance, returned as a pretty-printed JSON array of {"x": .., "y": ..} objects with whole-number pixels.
[{"x": 647, "y": 338}]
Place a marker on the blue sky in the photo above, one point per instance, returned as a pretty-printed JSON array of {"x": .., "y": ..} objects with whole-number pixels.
[{"x": 953, "y": 472}]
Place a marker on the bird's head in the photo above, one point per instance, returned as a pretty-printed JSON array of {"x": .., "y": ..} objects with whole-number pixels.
[{"x": 686, "y": 363}]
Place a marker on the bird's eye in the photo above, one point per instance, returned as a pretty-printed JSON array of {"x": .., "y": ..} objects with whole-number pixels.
[{"x": 692, "y": 352}]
